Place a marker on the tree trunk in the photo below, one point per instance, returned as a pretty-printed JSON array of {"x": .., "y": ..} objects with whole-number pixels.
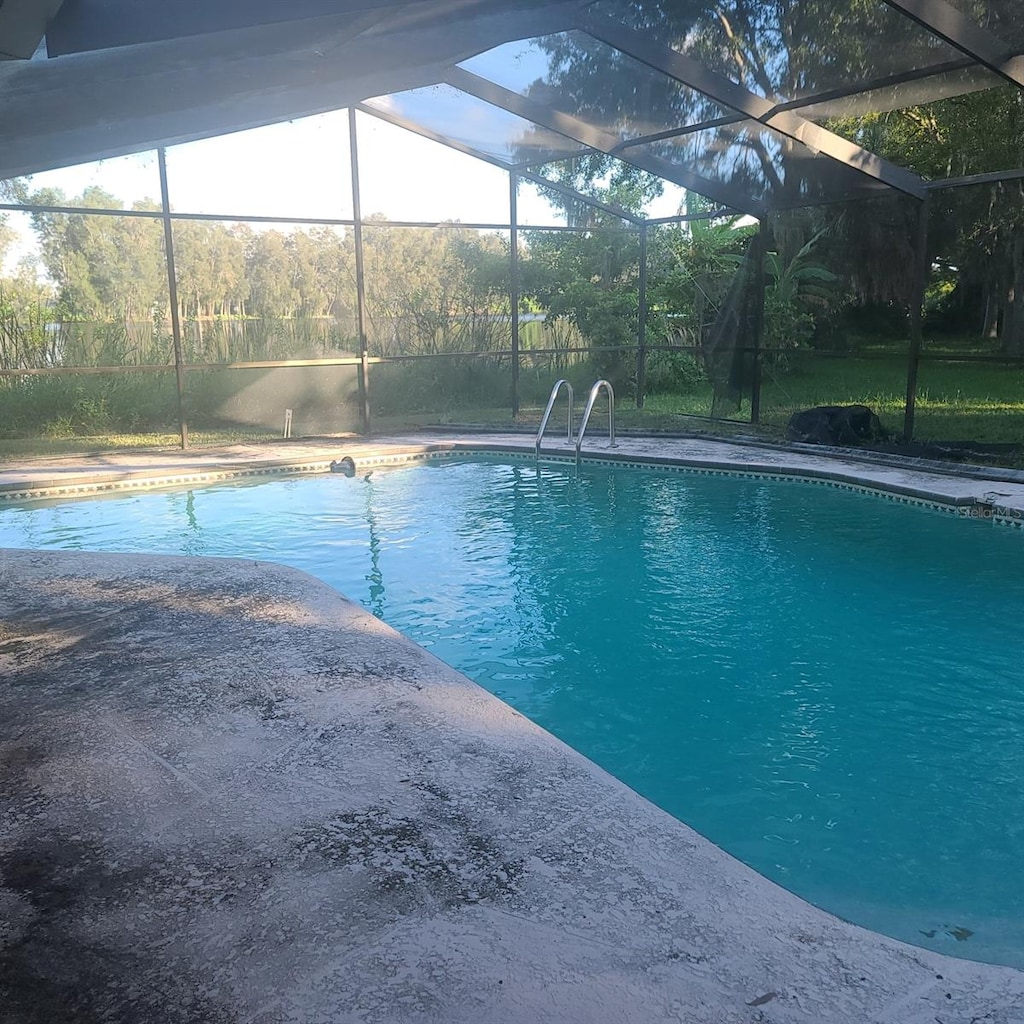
[
  {"x": 200, "y": 348},
  {"x": 1013, "y": 321},
  {"x": 990, "y": 324}
]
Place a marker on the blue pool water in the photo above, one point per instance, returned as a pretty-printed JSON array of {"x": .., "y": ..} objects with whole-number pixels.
[{"x": 825, "y": 683}]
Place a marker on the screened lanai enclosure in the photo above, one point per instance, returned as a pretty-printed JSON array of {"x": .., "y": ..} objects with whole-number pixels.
[{"x": 221, "y": 221}]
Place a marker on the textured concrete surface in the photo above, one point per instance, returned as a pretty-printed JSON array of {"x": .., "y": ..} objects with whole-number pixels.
[
  {"x": 227, "y": 794},
  {"x": 973, "y": 491}
]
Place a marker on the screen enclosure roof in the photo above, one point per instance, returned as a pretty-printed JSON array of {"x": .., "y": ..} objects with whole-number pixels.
[{"x": 757, "y": 105}]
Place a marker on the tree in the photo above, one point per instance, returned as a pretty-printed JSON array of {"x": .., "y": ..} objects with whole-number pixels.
[
  {"x": 589, "y": 279},
  {"x": 778, "y": 49},
  {"x": 268, "y": 267},
  {"x": 320, "y": 265},
  {"x": 7, "y": 238},
  {"x": 979, "y": 231},
  {"x": 108, "y": 270},
  {"x": 689, "y": 270}
]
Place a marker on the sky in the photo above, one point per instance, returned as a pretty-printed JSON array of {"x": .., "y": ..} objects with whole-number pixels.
[{"x": 301, "y": 169}]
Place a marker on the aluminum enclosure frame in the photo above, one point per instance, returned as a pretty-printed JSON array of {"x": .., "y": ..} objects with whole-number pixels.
[{"x": 407, "y": 44}]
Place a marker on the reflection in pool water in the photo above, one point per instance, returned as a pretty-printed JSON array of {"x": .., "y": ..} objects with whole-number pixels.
[{"x": 825, "y": 683}]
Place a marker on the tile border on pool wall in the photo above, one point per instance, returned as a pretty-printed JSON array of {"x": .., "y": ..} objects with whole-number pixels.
[
  {"x": 138, "y": 480},
  {"x": 143, "y": 482},
  {"x": 969, "y": 508}
]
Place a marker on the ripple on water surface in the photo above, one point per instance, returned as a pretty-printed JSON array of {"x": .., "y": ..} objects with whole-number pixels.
[{"x": 827, "y": 684}]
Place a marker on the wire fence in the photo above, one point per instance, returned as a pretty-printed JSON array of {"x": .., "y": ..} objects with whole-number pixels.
[{"x": 695, "y": 322}]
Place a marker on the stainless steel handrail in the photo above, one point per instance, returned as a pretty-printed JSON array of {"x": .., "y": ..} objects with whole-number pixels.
[
  {"x": 547, "y": 415},
  {"x": 594, "y": 392}
]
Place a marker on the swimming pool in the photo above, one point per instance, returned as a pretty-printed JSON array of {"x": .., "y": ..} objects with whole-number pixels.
[{"x": 824, "y": 683}]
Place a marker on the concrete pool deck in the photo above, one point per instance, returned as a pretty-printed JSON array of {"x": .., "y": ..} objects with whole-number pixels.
[
  {"x": 996, "y": 495},
  {"x": 230, "y": 794}
]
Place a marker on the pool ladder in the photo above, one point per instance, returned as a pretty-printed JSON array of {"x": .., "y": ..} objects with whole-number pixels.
[{"x": 595, "y": 391}]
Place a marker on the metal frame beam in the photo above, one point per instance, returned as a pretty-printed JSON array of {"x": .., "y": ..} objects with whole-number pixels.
[
  {"x": 88, "y": 25},
  {"x": 461, "y": 147},
  {"x": 946, "y": 22},
  {"x": 23, "y": 24},
  {"x": 686, "y": 218},
  {"x": 831, "y": 95},
  {"x": 692, "y": 73},
  {"x": 760, "y": 282},
  {"x": 988, "y": 178},
  {"x": 428, "y": 133},
  {"x": 357, "y": 237},
  {"x": 813, "y": 99},
  {"x": 107, "y": 103},
  {"x": 594, "y": 138},
  {"x": 513, "y": 255},
  {"x": 676, "y": 133},
  {"x": 905, "y": 89},
  {"x": 920, "y": 283},
  {"x": 243, "y": 218},
  {"x": 872, "y": 84},
  {"x": 641, "y": 322},
  {"x": 571, "y": 193},
  {"x": 172, "y": 296}
]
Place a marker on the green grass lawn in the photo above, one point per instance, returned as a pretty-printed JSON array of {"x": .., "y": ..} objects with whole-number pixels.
[
  {"x": 21, "y": 448},
  {"x": 956, "y": 402}
]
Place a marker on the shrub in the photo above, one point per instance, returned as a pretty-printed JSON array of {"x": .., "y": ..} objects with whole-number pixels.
[
  {"x": 66, "y": 406},
  {"x": 677, "y": 373}
]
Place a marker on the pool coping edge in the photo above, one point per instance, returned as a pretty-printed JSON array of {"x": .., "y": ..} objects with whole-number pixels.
[{"x": 383, "y": 452}]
